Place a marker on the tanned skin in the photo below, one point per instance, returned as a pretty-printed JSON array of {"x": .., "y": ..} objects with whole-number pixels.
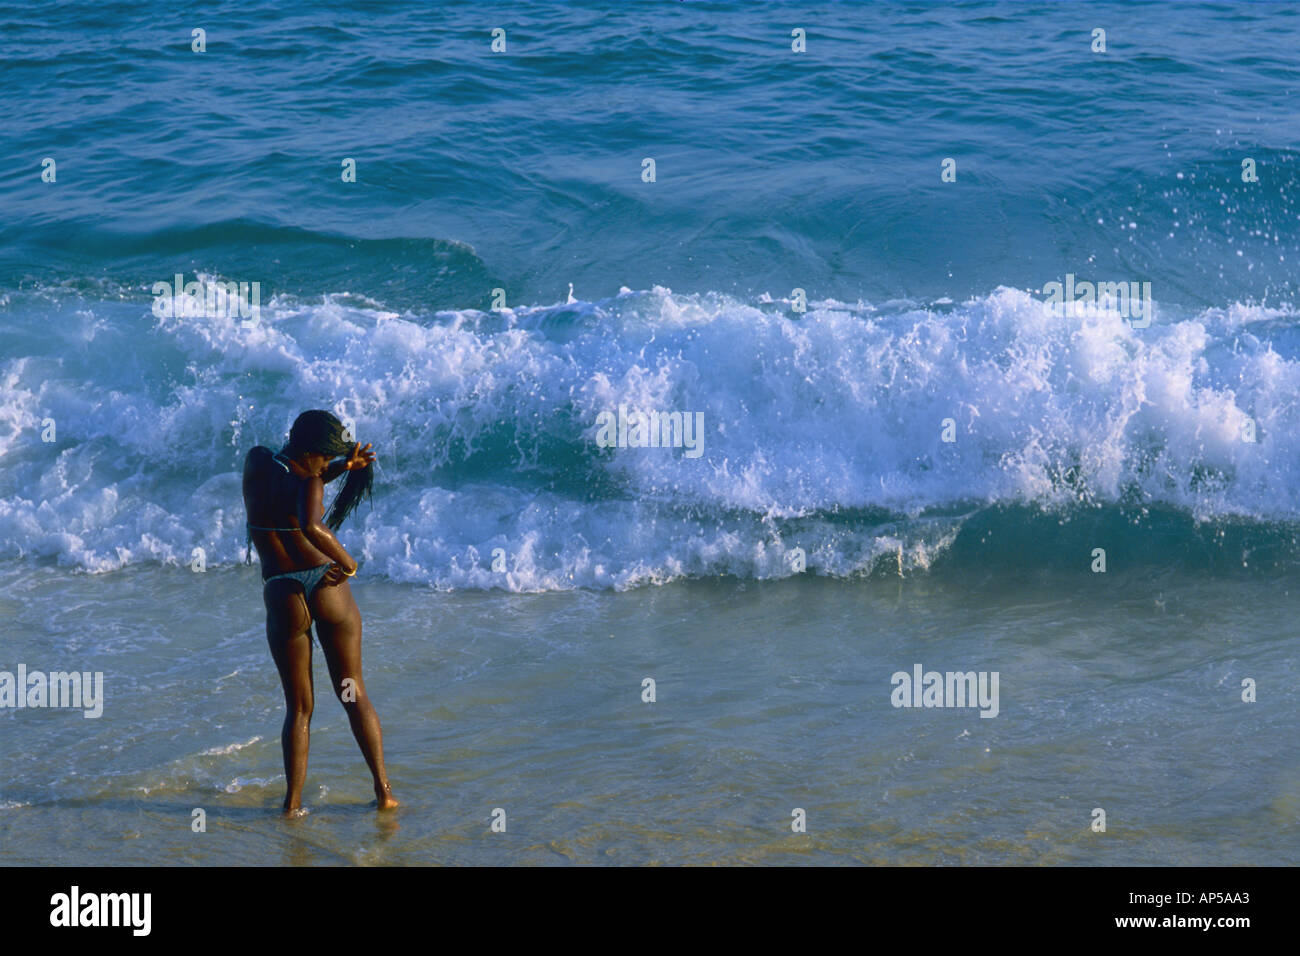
[{"x": 275, "y": 499}]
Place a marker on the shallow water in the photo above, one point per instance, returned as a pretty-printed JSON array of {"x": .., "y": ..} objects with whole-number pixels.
[{"x": 770, "y": 696}]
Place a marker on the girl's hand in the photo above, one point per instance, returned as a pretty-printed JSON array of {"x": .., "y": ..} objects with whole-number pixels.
[
  {"x": 337, "y": 575},
  {"x": 360, "y": 457}
]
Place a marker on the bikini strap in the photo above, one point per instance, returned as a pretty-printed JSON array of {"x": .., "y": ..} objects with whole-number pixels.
[{"x": 274, "y": 457}]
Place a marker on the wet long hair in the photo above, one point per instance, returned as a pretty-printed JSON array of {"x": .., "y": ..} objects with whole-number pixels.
[{"x": 321, "y": 432}]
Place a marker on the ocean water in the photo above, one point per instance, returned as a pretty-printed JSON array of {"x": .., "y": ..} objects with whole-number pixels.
[{"x": 916, "y": 458}]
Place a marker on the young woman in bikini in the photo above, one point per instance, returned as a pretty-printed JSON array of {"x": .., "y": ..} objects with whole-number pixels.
[{"x": 305, "y": 575}]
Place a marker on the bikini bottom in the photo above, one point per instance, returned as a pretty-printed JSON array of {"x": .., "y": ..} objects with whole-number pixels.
[{"x": 308, "y": 578}]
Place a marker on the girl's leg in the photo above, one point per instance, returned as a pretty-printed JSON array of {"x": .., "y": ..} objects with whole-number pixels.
[
  {"x": 288, "y": 631},
  {"x": 338, "y": 626}
]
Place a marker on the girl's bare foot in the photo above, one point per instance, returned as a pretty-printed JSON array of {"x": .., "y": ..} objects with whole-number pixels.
[{"x": 384, "y": 798}]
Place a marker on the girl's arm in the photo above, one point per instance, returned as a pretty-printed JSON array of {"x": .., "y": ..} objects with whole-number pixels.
[
  {"x": 334, "y": 469},
  {"x": 311, "y": 509},
  {"x": 361, "y": 457}
]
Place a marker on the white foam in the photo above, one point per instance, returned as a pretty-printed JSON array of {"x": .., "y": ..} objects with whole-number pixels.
[
  {"x": 804, "y": 418},
  {"x": 229, "y": 748}
]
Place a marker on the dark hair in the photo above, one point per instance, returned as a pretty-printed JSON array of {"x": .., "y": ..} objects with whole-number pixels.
[{"x": 321, "y": 433}]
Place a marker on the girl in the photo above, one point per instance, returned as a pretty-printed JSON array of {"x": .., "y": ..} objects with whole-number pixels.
[{"x": 305, "y": 575}]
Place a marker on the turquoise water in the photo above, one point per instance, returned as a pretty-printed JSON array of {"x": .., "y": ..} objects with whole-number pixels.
[{"x": 919, "y": 468}]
